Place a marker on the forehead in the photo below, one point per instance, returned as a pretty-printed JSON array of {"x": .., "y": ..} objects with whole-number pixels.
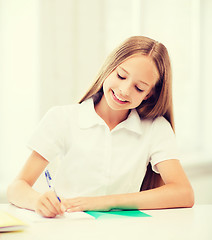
[{"x": 141, "y": 68}]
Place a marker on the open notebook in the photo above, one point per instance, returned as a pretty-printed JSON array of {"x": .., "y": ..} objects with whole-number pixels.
[
  {"x": 32, "y": 217},
  {"x": 9, "y": 222}
]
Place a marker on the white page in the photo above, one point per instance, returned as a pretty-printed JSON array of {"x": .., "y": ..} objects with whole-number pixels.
[{"x": 31, "y": 216}]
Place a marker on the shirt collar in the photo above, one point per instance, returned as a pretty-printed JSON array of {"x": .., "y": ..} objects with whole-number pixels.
[
  {"x": 89, "y": 118},
  {"x": 132, "y": 123},
  {"x": 87, "y": 114}
]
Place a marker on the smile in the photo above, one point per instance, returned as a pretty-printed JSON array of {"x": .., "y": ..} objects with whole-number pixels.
[{"x": 118, "y": 99}]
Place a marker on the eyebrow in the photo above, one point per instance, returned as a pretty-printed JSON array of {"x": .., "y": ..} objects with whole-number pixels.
[{"x": 128, "y": 74}]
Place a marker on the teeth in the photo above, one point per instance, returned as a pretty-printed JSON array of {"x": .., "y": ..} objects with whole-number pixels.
[{"x": 119, "y": 98}]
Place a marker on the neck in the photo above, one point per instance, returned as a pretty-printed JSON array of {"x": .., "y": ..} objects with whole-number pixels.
[{"x": 111, "y": 117}]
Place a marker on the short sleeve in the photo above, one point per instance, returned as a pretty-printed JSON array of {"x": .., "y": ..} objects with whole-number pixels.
[
  {"x": 47, "y": 138},
  {"x": 163, "y": 142}
]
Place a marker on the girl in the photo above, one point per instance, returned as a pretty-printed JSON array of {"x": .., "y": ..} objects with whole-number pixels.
[{"x": 107, "y": 142}]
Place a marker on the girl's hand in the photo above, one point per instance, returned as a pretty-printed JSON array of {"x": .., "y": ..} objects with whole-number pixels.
[
  {"x": 48, "y": 205},
  {"x": 80, "y": 204}
]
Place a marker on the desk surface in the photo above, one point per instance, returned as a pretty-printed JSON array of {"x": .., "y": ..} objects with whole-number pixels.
[{"x": 183, "y": 223}]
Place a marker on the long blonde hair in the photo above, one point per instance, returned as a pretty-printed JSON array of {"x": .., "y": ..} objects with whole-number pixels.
[{"x": 160, "y": 102}]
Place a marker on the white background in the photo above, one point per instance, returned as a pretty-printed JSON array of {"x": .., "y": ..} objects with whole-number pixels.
[{"x": 51, "y": 50}]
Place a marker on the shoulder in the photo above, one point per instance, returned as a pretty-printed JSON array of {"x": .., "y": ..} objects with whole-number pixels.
[
  {"x": 71, "y": 113},
  {"x": 60, "y": 114},
  {"x": 158, "y": 122},
  {"x": 64, "y": 109},
  {"x": 161, "y": 131},
  {"x": 161, "y": 120},
  {"x": 156, "y": 127},
  {"x": 162, "y": 125}
]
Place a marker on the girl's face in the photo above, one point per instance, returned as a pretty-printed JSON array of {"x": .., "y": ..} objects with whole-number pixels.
[{"x": 130, "y": 83}]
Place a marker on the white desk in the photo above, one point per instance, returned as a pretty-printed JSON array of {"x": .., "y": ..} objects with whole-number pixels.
[{"x": 171, "y": 224}]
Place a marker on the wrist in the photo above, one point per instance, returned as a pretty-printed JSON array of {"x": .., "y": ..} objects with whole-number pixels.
[
  {"x": 115, "y": 201},
  {"x": 123, "y": 201},
  {"x": 112, "y": 201}
]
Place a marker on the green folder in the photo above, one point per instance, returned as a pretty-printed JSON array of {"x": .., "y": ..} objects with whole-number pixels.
[{"x": 117, "y": 214}]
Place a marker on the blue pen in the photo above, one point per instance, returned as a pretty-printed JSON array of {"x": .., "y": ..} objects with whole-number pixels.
[{"x": 50, "y": 183}]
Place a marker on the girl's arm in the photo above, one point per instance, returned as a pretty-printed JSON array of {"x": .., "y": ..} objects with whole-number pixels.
[
  {"x": 21, "y": 193},
  {"x": 177, "y": 192}
]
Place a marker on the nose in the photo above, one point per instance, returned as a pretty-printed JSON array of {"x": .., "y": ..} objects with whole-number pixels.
[{"x": 125, "y": 88}]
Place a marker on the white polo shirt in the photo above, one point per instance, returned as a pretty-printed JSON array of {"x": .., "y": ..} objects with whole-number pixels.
[{"x": 96, "y": 161}]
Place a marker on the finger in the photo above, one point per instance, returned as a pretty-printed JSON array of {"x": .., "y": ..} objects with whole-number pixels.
[
  {"x": 56, "y": 204},
  {"x": 44, "y": 212},
  {"x": 65, "y": 204},
  {"x": 44, "y": 205},
  {"x": 78, "y": 208},
  {"x": 72, "y": 202},
  {"x": 63, "y": 208},
  {"x": 48, "y": 203},
  {"x": 50, "y": 206}
]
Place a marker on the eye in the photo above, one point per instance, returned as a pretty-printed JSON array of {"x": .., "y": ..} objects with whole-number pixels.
[
  {"x": 119, "y": 76},
  {"x": 138, "y": 89}
]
